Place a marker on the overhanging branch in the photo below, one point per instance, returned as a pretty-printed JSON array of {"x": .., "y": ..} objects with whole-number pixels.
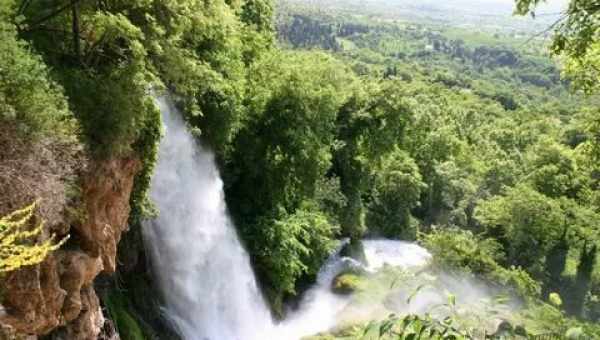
[{"x": 59, "y": 10}]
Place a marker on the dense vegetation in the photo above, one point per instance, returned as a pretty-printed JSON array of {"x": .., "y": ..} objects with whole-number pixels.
[
  {"x": 336, "y": 126},
  {"x": 492, "y": 141}
]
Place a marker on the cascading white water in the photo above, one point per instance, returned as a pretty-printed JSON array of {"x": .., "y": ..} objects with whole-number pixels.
[
  {"x": 209, "y": 289},
  {"x": 202, "y": 270},
  {"x": 319, "y": 308}
]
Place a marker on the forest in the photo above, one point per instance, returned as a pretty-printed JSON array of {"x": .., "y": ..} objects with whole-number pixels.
[{"x": 329, "y": 126}]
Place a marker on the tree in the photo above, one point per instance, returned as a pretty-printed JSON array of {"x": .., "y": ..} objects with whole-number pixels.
[
  {"x": 27, "y": 93},
  {"x": 370, "y": 124},
  {"x": 289, "y": 246},
  {"x": 259, "y": 13},
  {"x": 280, "y": 155},
  {"x": 576, "y": 39},
  {"x": 527, "y": 222},
  {"x": 283, "y": 149},
  {"x": 17, "y": 248},
  {"x": 552, "y": 169},
  {"x": 397, "y": 189},
  {"x": 581, "y": 288},
  {"x": 555, "y": 264}
]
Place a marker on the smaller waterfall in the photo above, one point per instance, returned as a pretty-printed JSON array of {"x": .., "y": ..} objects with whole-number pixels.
[
  {"x": 202, "y": 270},
  {"x": 319, "y": 308},
  {"x": 394, "y": 253}
]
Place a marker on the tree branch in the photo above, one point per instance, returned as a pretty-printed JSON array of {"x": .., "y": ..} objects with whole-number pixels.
[
  {"x": 551, "y": 27},
  {"x": 50, "y": 15},
  {"x": 23, "y": 6}
]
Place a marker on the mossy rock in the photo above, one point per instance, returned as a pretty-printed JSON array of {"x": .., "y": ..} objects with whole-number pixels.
[
  {"x": 346, "y": 283},
  {"x": 126, "y": 324}
]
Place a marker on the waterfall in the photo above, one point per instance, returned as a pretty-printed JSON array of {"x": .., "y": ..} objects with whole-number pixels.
[
  {"x": 202, "y": 270},
  {"x": 204, "y": 274}
]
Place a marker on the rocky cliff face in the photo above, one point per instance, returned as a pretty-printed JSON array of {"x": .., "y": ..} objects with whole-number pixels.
[{"x": 58, "y": 295}]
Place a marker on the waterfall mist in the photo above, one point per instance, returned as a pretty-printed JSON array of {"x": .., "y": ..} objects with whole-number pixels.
[{"x": 203, "y": 272}]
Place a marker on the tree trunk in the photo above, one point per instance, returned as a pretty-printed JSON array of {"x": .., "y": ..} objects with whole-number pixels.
[{"x": 76, "y": 41}]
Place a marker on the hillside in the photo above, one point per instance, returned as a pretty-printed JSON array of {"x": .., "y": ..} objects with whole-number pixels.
[{"x": 250, "y": 170}]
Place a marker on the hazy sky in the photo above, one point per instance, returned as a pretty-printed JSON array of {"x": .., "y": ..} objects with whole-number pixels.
[{"x": 500, "y": 7}]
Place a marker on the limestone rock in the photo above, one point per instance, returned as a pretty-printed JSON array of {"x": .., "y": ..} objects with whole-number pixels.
[
  {"x": 59, "y": 291},
  {"x": 106, "y": 195},
  {"x": 78, "y": 271},
  {"x": 88, "y": 324},
  {"x": 33, "y": 298}
]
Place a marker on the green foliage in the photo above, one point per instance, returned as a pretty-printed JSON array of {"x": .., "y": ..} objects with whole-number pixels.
[
  {"x": 27, "y": 94},
  {"x": 104, "y": 71},
  {"x": 544, "y": 318},
  {"x": 330, "y": 198},
  {"x": 125, "y": 323},
  {"x": 146, "y": 147},
  {"x": 284, "y": 148},
  {"x": 370, "y": 123},
  {"x": 415, "y": 327},
  {"x": 117, "y": 112},
  {"x": 110, "y": 59},
  {"x": 259, "y": 13},
  {"x": 461, "y": 250},
  {"x": 576, "y": 39},
  {"x": 529, "y": 222},
  {"x": 583, "y": 279},
  {"x": 18, "y": 247},
  {"x": 203, "y": 62},
  {"x": 556, "y": 260},
  {"x": 288, "y": 246},
  {"x": 555, "y": 299},
  {"x": 553, "y": 169},
  {"x": 279, "y": 157},
  {"x": 397, "y": 190}
]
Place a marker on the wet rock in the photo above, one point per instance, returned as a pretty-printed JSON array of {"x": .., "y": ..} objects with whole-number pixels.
[
  {"x": 346, "y": 283},
  {"x": 355, "y": 250}
]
